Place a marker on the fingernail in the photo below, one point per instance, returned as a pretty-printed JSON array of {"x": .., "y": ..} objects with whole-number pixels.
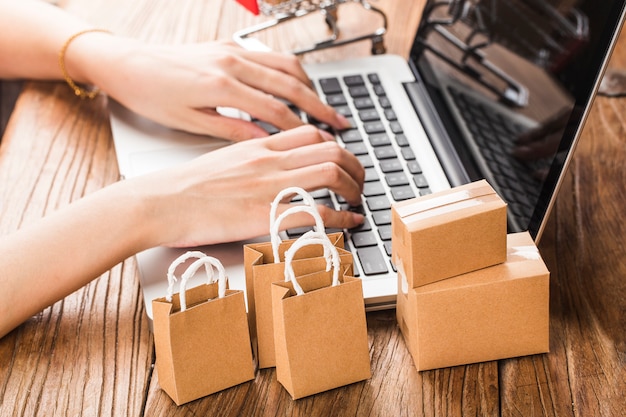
[
  {"x": 342, "y": 121},
  {"x": 327, "y": 136},
  {"x": 358, "y": 218}
]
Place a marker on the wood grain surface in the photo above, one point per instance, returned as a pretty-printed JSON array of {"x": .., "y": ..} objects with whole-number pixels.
[{"x": 92, "y": 353}]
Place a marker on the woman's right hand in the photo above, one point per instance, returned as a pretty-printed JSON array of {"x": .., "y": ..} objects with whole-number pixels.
[{"x": 225, "y": 195}]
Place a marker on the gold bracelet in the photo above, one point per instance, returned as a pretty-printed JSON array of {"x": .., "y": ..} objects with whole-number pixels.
[{"x": 79, "y": 91}]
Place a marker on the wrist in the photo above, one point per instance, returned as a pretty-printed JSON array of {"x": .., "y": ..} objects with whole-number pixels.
[{"x": 92, "y": 56}]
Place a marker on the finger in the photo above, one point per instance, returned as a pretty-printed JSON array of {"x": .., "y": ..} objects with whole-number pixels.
[
  {"x": 286, "y": 64},
  {"x": 325, "y": 175},
  {"x": 326, "y": 152},
  {"x": 209, "y": 122},
  {"x": 295, "y": 138},
  {"x": 278, "y": 84},
  {"x": 236, "y": 94},
  {"x": 287, "y": 86},
  {"x": 331, "y": 218}
]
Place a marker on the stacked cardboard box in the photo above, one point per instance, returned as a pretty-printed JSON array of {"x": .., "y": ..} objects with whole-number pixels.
[{"x": 467, "y": 291}]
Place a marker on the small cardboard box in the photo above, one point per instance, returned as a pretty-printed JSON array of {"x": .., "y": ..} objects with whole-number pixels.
[
  {"x": 448, "y": 233},
  {"x": 493, "y": 313}
]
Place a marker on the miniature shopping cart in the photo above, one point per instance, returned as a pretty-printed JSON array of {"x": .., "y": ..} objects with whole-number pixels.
[{"x": 286, "y": 10}]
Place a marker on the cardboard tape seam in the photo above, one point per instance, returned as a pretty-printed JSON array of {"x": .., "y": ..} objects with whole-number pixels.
[{"x": 455, "y": 197}]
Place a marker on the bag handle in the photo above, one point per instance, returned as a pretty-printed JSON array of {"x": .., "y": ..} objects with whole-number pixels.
[
  {"x": 171, "y": 278},
  {"x": 309, "y": 207},
  {"x": 330, "y": 253},
  {"x": 209, "y": 264}
]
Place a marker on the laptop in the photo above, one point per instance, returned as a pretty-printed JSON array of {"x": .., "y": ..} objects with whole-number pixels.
[{"x": 493, "y": 89}]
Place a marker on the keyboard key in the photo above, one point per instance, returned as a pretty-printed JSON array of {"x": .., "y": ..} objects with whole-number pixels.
[
  {"x": 373, "y": 188},
  {"x": 358, "y": 91},
  {"x": 357, "y": 148},
  {"x": 350, "y": 136},
  {"x": 402, "y": 140},
  {"x": 371, "y": 174},
  {"x": 387, "y": 245},
  {"x": 330, "y": 85},
  {"x": 407, "y": 153},
  {"x": 414, "y": 167},
  {"x": 390, "y": 165},
  {"x": 379, "y": 90},
  {"x": 390, "y": 115},
  {"x": 384, "y": 102},
  {"x": 402, "y": 193},
  {"x": 376, "y": 203},
  {"x": 382, "y": 217},
  {"x": 373, "y": 77},
  {"x": 368, "y": 115},
  {"x": 362, "y": 103},
  {"x": 270, "y": 129},
  {"x": 420, "y": 181},
  {"x": 336, "y": 100},
  {"x": 363, "y": 239},
  {"x": 395, "y": 179},
  {"x": 365, "y": 160},
  {"x": 352, "y": 80},
  {"x": 396, "y": 127},
  {"x": 385, "y": 232},
  {"x": 379, "y": 139},
  {"x": 344, "y": 111},
  {"x": 372, "y": 260},
  {"x": 385, "y": 152},
  {"x": 374, "y": 127}
]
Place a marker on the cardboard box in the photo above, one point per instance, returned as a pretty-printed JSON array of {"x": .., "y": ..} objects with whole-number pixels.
[
  {"x": 493, "y": 313},
  {"x": 448, "y": 233}
]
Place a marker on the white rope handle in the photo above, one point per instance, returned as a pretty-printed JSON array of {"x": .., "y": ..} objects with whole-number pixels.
[
  {"x": 330, "y": 252},
  {"x": 171, "y": 278},
  {"x": 209, "y": 263},
  {"x": 308, "y": 199},
  {"x": 310, "y": 207}
]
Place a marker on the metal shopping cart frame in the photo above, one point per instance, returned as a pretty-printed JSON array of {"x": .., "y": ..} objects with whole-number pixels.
[{"x": 285, "y": 11}]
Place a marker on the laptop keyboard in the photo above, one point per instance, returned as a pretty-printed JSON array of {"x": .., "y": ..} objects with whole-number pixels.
[{"x": 392, "y": 172}]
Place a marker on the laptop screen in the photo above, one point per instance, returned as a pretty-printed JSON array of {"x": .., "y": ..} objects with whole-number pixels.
[{"x": 511, "y": 82}]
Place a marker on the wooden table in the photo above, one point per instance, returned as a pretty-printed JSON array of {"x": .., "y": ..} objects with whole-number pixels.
[{"x": 92, "y": 353}]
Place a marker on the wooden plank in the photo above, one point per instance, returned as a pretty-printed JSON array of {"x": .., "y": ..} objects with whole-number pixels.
[{"x": 91, "y": 352}]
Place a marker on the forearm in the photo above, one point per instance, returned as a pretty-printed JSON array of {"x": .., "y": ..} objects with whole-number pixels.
[
  {"x": 33, "y": 33},
  {"x": 57, "y": 255}
]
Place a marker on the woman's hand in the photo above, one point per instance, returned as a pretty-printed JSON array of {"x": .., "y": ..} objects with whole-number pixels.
[
  {"x": 183, "y": 85},
  {"x": 225, "y": 195}
]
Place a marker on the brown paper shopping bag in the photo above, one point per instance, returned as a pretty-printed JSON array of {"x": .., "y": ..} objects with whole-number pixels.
[
  {"x": 201, "y": 335},
  {"x": 320, "y": 329},
  {"x": 263, "y": 266}
]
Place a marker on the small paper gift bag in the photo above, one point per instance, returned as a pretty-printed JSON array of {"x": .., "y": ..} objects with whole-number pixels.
[
  {"x": 320, "y": 329},
  {"x": 201, "y": 335},
  {"x": 263, "y": 266}
]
